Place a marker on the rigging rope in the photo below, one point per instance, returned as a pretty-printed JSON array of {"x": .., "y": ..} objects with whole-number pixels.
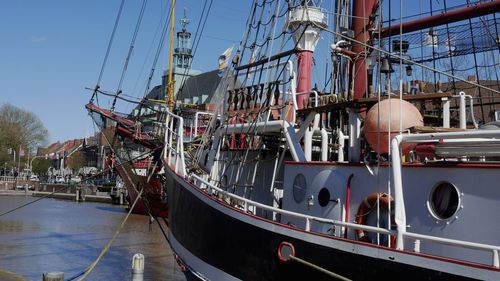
[
  {"x": 158, "y": 52},
  {"x": 196, "y": 42},
  {"x": 31, "y": 202},
  {"x": 136, "y": 31},
  {"x": 108, "y": 49}
]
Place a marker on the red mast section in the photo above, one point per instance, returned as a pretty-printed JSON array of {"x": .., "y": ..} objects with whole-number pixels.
[
  {"x": 361, "y": 25},
  {"x": 306, "y": 21}
]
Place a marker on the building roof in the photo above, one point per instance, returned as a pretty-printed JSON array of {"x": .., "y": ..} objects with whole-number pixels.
[
  {"x": 202, "y": 84},
  {"x": 156, "y": 93}
]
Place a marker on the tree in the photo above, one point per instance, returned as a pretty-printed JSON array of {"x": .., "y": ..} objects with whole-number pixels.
[
  {"x": 41, "y": 166},
  {"x": 19, "y": 128},
  {"x": 77, "y": 161}
]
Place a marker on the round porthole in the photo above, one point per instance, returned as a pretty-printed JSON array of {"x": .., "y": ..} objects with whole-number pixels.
[
  {"x": 299, "y": 188},
  {"x": 444, "y": 200},
  {"x": 323, "y": 197}
]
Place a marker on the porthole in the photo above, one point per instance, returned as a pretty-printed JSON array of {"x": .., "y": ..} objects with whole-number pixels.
[
  {"x": 323, "y": 197},
  {"x": 444, "y": 200},
  {"x": 299, "y": 188}
]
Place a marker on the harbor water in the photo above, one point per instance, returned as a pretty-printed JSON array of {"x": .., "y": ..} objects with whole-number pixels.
[{"x": 55, "y": 235}]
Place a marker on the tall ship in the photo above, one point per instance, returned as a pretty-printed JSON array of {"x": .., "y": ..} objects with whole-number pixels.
[{"x": 349, "y": 139}]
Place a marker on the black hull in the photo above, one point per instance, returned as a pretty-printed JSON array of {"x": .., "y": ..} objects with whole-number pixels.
[{"x": 249, "y": 252}]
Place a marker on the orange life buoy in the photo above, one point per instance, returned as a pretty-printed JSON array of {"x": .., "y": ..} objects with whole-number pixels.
[
  {"x": 367, "y": 206},
  {"x": 242, "y": 136}
]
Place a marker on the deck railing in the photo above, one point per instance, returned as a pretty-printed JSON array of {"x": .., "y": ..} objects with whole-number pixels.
[
  {"x": 249, "y": 204},
  {"x": 174, "y": 142},
  {"x": 400, "y": 214}
]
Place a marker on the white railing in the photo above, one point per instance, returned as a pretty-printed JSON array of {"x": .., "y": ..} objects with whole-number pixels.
[
  {"x": 196, "y": 125},
  {"x": 248, "y": 204},
  {"x": 400, "y": 214},
  {"x": 7, "y": 179},
  {"x": 174, "y": 142}
]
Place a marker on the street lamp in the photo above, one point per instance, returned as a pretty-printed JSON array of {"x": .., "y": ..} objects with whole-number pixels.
[{"x": 9, "y": 151}]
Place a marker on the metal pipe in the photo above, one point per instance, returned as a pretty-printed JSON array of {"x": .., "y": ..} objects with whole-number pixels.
[
  {"x": 347, "y": 201},
  {"x": 400, "y": 213},
  {"x": 445, "y": 18},
  {"x": 361, "y": 12},
  {"x": 463, "y": 121},
  {"x": 446, "y": 112}
]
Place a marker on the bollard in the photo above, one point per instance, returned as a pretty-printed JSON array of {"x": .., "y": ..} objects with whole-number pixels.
[
  {"x": 138, "y": 267},
  {"x": 53, "y": 276},
  {"x": 77, "y": 196}
]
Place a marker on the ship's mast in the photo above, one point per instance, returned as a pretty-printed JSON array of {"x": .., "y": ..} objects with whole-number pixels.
[
  {"x": 171, "y": 101},
  {"x": 306, "y": 21},
  {"x": 361, "y": 25}
]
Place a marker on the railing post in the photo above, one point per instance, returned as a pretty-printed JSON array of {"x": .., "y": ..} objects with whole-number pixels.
[
  {"x": 416, "y": 246},
  {"x": 400, "y": 213},
  {"x": 463, "y": 121},
  {"x": 308, "y": 224},
  {"x": 181, "y": 149},
  {"x": 171, "y": 129},
  {"x": 446, "y": 112},
  {"x": 354, "y": 134},
  {"x": 496, "y": 262}
]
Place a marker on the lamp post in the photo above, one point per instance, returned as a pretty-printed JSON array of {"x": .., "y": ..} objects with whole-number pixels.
[{"x": 9, "y": 151}]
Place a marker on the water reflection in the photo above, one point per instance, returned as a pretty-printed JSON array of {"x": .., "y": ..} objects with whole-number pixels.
[{"x": 55, "y": 235}]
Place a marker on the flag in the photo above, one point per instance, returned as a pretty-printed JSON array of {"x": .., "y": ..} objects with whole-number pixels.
[
  {"x": 450, "y": 45},
  {"x": 252, "y": 59},
  {"x": 21, "y": 152},
  {"x": 430, "y": 39},
  {"x": 224, "y": 61}
]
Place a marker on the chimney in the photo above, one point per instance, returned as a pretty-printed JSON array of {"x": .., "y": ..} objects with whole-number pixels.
[{"x": 471, "y": 78}]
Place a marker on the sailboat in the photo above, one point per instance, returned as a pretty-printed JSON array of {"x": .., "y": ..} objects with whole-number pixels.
[{"x": 370, "y": 170}]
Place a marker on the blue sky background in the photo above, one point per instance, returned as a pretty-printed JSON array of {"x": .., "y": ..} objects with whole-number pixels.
[{"x": 52, "y": 50}]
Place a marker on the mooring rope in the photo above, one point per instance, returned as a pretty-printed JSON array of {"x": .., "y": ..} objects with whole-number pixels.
[
  {"x": 332, "y": 274},
  {"x": 89, "y": 269},
  {"x": 31, "y": 202}
]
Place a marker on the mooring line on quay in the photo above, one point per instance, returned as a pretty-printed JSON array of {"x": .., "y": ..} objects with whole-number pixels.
[
  {"x": 29, "y": 203},
  {"x": 89, "y": 269},
  {"x": 87, "y": 178}
]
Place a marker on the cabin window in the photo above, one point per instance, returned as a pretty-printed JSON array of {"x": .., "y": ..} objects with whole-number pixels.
[
  {"x": 323, "y": 197},
  {"x": 444, "y": 200},
  {"x": 299, "y": 188}
]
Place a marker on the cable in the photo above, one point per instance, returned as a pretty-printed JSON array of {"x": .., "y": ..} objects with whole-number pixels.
[
  {"x": 29, "y": 203},
  {"x": 136, "y": 31},
  {"x": 109, "y": 48}
]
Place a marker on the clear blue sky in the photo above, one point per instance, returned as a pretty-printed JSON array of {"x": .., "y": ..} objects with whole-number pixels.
[{"x": 52, "y": 50}]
